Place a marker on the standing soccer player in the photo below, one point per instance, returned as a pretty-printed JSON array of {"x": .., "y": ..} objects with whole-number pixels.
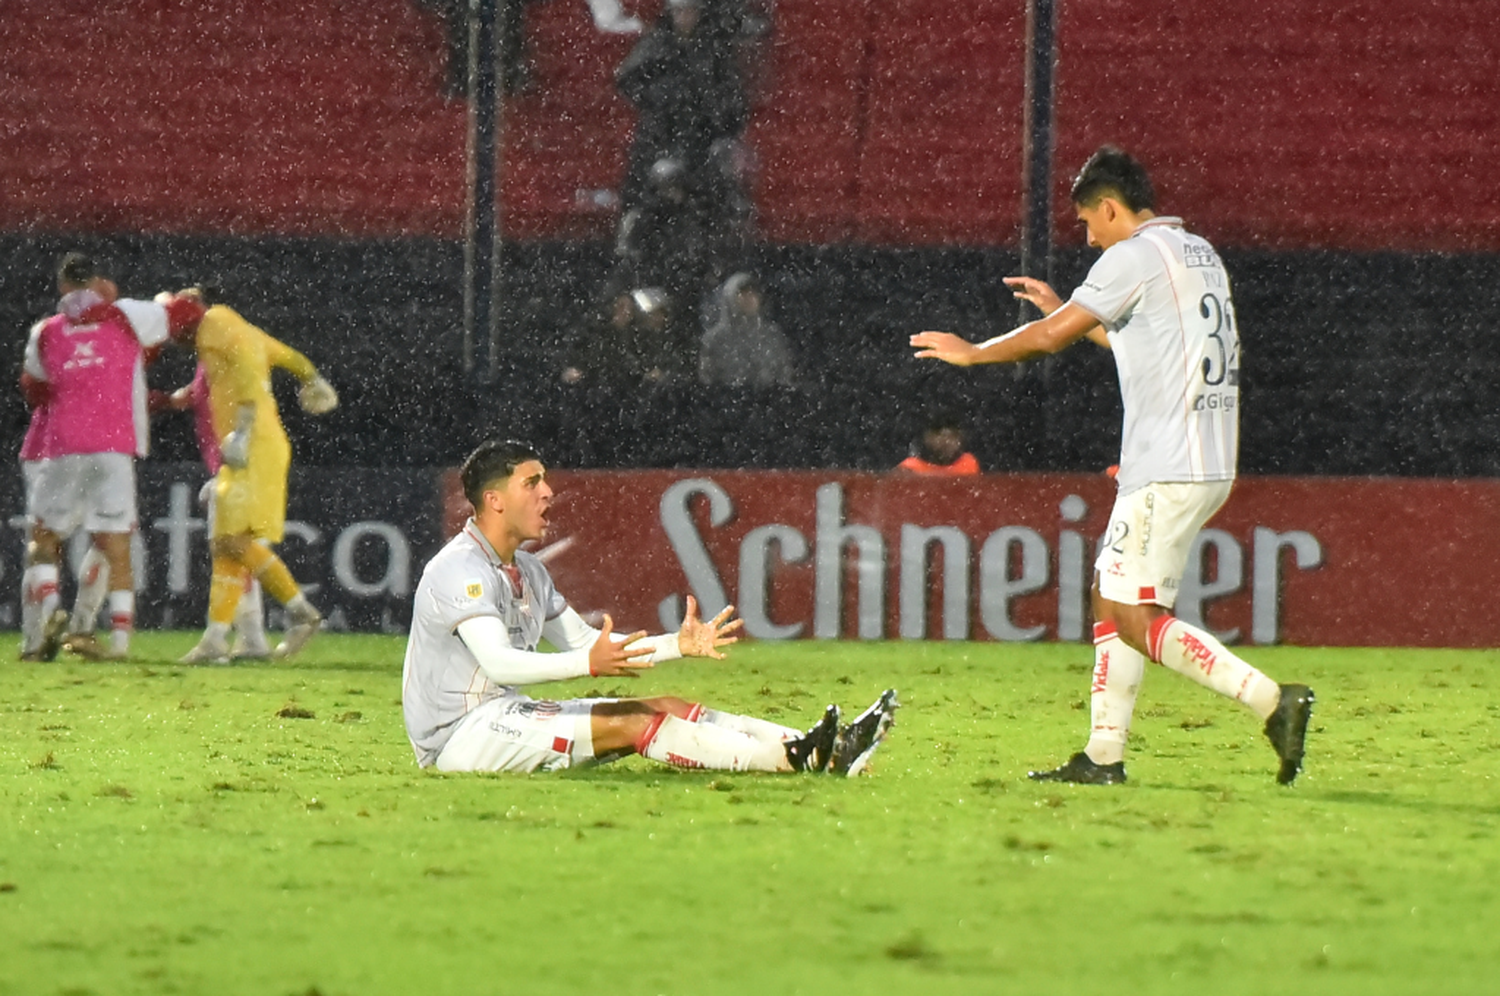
[
  {"x": 1161, "y": 297},
  {"x": 85, "y": 372},
  {"x": 250, "y": 487},
  {"x": 481, "y": 608}
]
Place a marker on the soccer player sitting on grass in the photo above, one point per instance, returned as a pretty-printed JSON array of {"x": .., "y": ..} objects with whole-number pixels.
[
  {"x": 1158, "y": 297},
  {"x": 250, "y": 487},
  {"x": 481, "y": 608}
]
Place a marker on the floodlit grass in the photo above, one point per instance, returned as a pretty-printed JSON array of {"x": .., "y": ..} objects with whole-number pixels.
[{"x": 265, "y": 830}]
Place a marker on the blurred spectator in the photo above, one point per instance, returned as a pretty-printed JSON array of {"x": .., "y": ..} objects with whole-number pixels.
[
  {"x": 633, "y": 343},
  {"x": 665, "y": 241},
  {"x": 683, "y": 77},
  {"x": 743, "y": 348},
  {"x": 939, "y": 451}
]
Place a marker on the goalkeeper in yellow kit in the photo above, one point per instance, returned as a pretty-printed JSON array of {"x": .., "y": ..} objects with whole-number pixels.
[{"x": 249, "y": 512}]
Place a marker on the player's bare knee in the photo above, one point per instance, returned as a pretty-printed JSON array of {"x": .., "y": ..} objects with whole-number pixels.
[
  {"x": 44, "y": 548},
  {"x": 681, "y": 708}
]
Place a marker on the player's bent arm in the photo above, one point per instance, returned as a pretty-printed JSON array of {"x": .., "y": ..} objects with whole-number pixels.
[
  {"x": 489, "y": 642},
  {"x": 1043, "y": 337},
  {"x": 567, "y": 629}
]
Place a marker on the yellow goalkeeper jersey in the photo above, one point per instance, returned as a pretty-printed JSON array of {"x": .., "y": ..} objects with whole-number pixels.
[{"x": 237, "y": 359}]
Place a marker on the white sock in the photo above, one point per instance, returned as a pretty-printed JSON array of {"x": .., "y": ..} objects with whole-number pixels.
[
  {"x": 685, "y": 744},
  {"x": 760, "y": 729},
  {"x": 93, "y": 584},
  {"x": 250, "y": 619},
  {"x": 300, "y": 609},
  {"x": 1190, "y": 651},
  {"x": 38, "y": 601},
  {"x": 1118, "y": 669},
  {"x": 121, "y": 620}
]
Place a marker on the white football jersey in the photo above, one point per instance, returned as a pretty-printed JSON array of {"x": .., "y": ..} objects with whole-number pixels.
[
  {"x": 1162, "y": 296},
  {"x": 441, "y": 681}
]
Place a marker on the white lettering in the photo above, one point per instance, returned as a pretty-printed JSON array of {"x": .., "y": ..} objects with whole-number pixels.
[
  {"x": 1073, "y": 574},
  {"x": 996, "y": 586},
  {"x": 828, "y": 569},
  {"x": 702, "y": 576},
  {"x": 755, "y": 579},
  {"x": 179, "y": 524},
  {"x": 915, "y": 541},
  {"x": 1197, "y": 589},
  {"x": 1265, "y": 606},
  {"x": 397, "y": 576}
]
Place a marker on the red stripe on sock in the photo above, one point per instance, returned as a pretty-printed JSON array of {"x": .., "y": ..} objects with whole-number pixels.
[
  {"x": 121, "y": 620},
  {"x": 694, "y": 713},
  {"x": 1104, "y": 631},
  {"x": 1157, "y": 634},
  {"x": 42, "y": 591},
  {"x": 649, "y": 733}
]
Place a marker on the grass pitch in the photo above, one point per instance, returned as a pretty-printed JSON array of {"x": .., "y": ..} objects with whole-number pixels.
[{"x": 264, "y": 829}]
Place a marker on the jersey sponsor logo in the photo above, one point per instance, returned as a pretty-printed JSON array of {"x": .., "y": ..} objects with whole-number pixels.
[
  {"x": 1200, "y": 254},
  {"x": 83, "y": 356},
  {"x": 474, "y": 588},
  {"x": 1216, "y": 401}
]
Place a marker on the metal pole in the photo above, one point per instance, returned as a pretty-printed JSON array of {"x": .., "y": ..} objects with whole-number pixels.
[
  {"x": 1036, "y": 210},
  {"x": 481, "y": 230}
]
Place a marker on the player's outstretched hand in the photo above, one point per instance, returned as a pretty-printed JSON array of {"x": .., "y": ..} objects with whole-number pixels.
[
  {"x": 616, "y": 658},
  {"x": 1034, "y": 291},
  {"x": 697, "y": 638},
  {"x": 944, "y": 346}
]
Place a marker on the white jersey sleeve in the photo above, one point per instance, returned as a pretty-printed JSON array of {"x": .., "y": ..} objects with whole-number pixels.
[
  {"x": 147, "y": 318},
  {"x": 32, "y": 364},
  {"x": 1113, "y": 288}
]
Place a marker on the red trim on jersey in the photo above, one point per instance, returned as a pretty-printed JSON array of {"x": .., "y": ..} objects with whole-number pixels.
[
  {"x": 1146, "y": 593},
  {"x": 562, "y": 746},
  {"x": 643, "y": 742}
]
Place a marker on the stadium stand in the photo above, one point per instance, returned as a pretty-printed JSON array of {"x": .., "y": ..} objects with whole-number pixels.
[{"x": 304, "y": 149}]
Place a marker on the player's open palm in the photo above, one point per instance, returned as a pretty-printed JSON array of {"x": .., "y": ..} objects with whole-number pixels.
[
  {"x": 617, "y": 658},
  {"x": 697, "y": 638}
]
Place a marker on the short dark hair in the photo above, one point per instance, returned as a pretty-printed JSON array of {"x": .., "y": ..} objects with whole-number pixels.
[
  {"x": 1112, "y": 172},
  {"x": 492, "y": 460},
  {"x": 76, "y": 269}
]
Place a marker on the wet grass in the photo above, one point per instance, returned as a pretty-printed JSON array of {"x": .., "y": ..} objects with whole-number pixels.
[{"x": 264, "y": 829}]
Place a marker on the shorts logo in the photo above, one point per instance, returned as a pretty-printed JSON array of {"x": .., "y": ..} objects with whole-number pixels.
[
  {"x": 543, "y": 709},
  {"x": 474, "y": 588}
]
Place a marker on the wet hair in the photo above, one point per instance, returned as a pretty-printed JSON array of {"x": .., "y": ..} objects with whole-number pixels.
[
  {"x": 492, "y": 460},
  {"x": 76, "y": 269},
  {"x": 1112, "y": 172}
]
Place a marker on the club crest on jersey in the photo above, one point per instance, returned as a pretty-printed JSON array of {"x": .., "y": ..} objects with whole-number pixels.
[{"x": 474, "y": 588}]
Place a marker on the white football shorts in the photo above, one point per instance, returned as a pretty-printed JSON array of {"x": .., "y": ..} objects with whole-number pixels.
[
  {"x": 94, "y": 492},
  {"x": 30, "y": 471},
  {"x": 1151, "y": 530},
  {"x": 518, "y": 733}
]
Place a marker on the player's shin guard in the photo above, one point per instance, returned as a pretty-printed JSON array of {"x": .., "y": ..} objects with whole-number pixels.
[
  {"x": 1118, "y": 669},
  {"x": 268, "y": 569},
  {"x": 224, "y": 591},
  {"x": 39, "y": 600},
  {"x": 685, "y": 744},
  {"x": 760, "y": 729},
  {"x": 93, "y": 585},
  {"x": 121, "y": 621},
  {"x": 1193, "y": 652}
]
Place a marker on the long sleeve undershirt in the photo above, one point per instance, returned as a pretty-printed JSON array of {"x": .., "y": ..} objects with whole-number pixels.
[{"x": 489, "y": 642}]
